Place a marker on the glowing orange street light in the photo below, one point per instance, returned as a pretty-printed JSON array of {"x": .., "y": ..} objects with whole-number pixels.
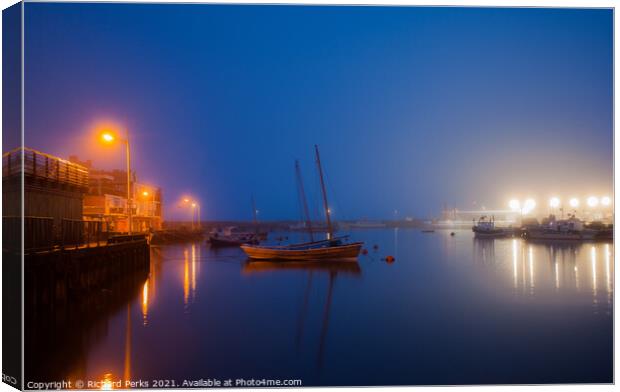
[
  {"x": 195, "y": 209},
  {"x": 145, "y": 193},
  {"x": 108, "y": 136}
]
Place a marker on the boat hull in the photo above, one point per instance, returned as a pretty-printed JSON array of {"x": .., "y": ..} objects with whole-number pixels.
[
  {"x": 224, "y": 242},
  {"x": 552, "y": 235},
  {"x": 491, "y": 233},
  {"x": 340, "y": 252}
]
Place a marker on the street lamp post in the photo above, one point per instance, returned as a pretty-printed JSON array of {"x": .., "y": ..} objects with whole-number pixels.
[
  {"x": 129, "y": 198},
  {"x": 151, "y": 209},
  {"x": 194, "y": 215},
  {"x": 109, "y": 137},
  {"x": 194, "y": 207}
]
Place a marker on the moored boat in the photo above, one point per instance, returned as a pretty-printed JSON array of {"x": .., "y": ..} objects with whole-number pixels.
[
  {"x": 311, "y": 251},
  {"x": 229, "y": 237},
  {"x": 230, "y": 241},
  {"x": 485, "y": 228},
  {"x": 571, "y": 229},
  {"x": 330, "y": 249}
]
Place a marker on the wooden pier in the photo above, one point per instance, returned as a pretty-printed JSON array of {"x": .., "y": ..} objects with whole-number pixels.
[{"x": 60, "y": 276}]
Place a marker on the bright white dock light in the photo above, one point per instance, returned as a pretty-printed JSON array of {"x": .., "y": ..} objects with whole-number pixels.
[
  {"x": 529, "y": 205},
  {"x": 605, "y": 201},
  {"x": 554, "y": 202},
  {"x": 592, "y": 201},
  {"x": 514, "y": 204},
  {"x": 574, "y": 202}
]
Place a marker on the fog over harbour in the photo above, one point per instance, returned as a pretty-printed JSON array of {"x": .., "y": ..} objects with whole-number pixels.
[{"x": 411, "y": 107}]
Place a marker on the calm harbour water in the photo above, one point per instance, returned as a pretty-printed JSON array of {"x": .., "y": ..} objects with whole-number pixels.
[{"x": 449, "y": 310}]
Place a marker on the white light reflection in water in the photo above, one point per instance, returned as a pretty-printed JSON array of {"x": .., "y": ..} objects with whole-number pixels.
[
  {"x": 593, "y": 258},
  {"x": 557, "y": 274},
  {"x": 594, "y": 288},
  {"x": 577, "y": 278},
  {"x": 523, "y": 275},
  {"x": 514, "y": 262},
  {"x": 193, "y": 272},
  {"x": 531, "y": 263},
  {"x": 607, "y": 273}
]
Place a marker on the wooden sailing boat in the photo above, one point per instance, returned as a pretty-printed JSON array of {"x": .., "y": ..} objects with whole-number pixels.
[{"x": 329, "y": 249}]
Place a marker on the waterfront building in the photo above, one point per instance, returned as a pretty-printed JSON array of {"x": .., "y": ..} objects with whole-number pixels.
[
  {"x": 106, "y": 200},
  {"x": 53, "y": 195}
]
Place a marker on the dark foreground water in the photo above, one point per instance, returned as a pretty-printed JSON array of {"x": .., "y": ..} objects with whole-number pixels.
[{"x": 449, "y": 310}]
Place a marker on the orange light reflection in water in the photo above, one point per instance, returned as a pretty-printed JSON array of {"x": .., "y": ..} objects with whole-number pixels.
[
  {"x": 106, "y": 383},
  {"x": 145, "y": 302},
  {"x": 186, "y": 278}
]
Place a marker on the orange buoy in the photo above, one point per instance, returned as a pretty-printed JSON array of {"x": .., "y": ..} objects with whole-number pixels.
[{"x": 390, "y": 259}]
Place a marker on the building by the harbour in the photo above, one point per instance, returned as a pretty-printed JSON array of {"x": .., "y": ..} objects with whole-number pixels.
[
  {"x": 106, "y": 200},
  {"x": 69, "y": 201},
  {"x": 51, "y": 198}
]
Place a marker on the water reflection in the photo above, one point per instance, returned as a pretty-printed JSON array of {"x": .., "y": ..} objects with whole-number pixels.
[
  {"x": 594, "y": 296},
  {"x": 536, "y": 267},
  {"x": 334, "y": 267},
  {"x": 185, "y": 279},
  {"x": 127, "y": 367},
  {"x": 514, "y": 262},
  {"x": 312, "y": 320},
  {"x": 331, "y": 268},
  {"x": 59, "y": 339},
  {"x": 145, "y": 302},
  {"x": 608, "y": 273}
]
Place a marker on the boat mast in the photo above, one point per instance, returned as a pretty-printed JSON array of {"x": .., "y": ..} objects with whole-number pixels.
[
  {"x": 254, "y": 215},
  {"x": 302, "y": 196},
  {"x": 330, "y": 230}
]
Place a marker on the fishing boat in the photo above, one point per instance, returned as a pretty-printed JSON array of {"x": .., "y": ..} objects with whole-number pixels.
[
  {"x": 229, "y": 237},
  {"x": 485, "y": 228},
  {"x": 332, "y": 249},
  {"x": 571, "y": 229}
]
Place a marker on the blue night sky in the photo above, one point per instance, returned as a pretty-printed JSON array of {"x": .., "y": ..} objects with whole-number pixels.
[{"x": 411, "y": 107}]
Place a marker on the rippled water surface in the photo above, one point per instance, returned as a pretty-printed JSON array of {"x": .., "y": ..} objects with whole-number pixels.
[{"x": 449, "y": 310}]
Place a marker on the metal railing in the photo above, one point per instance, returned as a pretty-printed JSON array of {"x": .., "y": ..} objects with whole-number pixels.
[
  {"x": 77, "y": 233},
  {"x": 40, "y": 233},
  {"x": 43, "y": 166}
]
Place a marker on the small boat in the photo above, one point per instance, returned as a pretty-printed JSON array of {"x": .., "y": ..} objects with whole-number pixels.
[
  {"x": 230, "y": 238},
  {"x": 230, "y": 241},
  {"x": 571, "y": 229},
  {"x": 485, "y": 228},
  {"x": 603, "y": 232},
  {"x": 331, "y": 249}
]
